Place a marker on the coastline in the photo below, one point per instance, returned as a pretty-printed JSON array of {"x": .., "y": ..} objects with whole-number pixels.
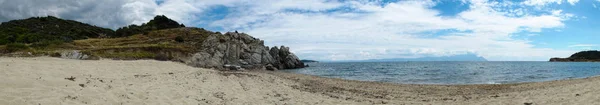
[{"x": 42, "y": 80}]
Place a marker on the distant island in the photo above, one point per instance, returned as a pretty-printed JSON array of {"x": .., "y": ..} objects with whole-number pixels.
[
  {"x": 308, "y": 61},
  {"x": 583, "y": 56},
  {"x": 161, "y": 39}
]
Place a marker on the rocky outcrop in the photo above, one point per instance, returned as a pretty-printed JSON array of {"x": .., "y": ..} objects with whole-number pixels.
[
  {"x": 240, "y": 49},
  {"x": 270, "y": 67},
  {"x": 288, "y": 59},
  {"x": 76, "y": 54}
]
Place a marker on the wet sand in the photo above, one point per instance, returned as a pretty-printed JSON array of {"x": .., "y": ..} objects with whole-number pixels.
[{"x": 54, "y": 81}]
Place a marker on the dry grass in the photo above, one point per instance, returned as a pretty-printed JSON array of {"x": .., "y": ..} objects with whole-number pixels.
[
  {"x": 2, "y": 48},
  {"x": 127, "y": 55},
  {"x": 134, "y": 47}
]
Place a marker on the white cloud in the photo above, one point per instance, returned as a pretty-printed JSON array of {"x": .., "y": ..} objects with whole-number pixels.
[
  {"x": 583, "y": 45},
  {"x": 362, "y": 30},
  {"x": 572, "y": 2},
  {"x": 541, "y": 2},
  {"x": 395, "y": 27},
  {"x": 179, "y": 10},
  {"x": 546, "y": 2},
  {"x": 108, "y": 13}
]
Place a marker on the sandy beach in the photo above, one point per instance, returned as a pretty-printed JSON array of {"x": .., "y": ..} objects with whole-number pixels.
[{"x": 55, "y": 81}]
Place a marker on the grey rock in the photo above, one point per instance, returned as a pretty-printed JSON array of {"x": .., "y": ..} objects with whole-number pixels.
[
  {"x": 270, "y": 67},
  {"x": 291, "y": 62},
  {"x": 240, "y": 49},
  {"x": 232, "y": 67},
  {"x": 244, "y": 62},
  {"x": 76, "y": 54},
  {"x": 276, "y": 59}
]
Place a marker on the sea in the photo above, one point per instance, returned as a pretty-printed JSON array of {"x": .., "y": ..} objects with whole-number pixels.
[{"x": 452, "y": 72}]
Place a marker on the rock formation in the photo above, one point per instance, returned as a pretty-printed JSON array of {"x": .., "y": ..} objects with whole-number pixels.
[
  {"x": 240, "y": 49},
  {"x": 75, "y": 54}
]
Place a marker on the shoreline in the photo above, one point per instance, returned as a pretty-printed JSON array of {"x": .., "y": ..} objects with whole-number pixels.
[
  {"x": 569, "y": 91},
  {"x": 42, "y": 80}
]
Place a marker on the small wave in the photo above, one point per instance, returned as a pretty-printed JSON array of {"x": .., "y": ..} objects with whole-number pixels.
[
  {"x": 535, "y": 77},
  {"x": 492, "y": 82},
  {"x": 542, "y": 70}
]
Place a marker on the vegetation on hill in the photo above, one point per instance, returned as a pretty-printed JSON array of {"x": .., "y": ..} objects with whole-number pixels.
[
  {"x": 43, "y": 31},
  {"x": 592, "y": 54},
  {"x": 583, "y": 56},
  {"x": 160, "y": 44},
  {"x": 158, "y": 23},
  {"x": 51, "y": 33}
]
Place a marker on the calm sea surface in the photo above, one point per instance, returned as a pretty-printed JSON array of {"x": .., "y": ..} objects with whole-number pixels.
[{"x": 453, "y": 72}]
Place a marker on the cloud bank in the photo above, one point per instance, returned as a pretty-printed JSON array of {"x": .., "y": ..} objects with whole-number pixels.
[{"x": 337, "y": 30}]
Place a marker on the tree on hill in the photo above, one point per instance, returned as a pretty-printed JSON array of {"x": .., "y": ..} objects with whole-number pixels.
[
  {"x": 158, "y": 23},
  {"x": 48, "y": 29},
  {"x": 592, "y": 54}
]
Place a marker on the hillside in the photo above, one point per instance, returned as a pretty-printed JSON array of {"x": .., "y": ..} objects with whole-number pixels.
[
  {"x": 44, "y": 30},
  {"x": 583, "y": 56},
  {"x": 158, "y": 23},
  {"x": 193, "y": 46}
]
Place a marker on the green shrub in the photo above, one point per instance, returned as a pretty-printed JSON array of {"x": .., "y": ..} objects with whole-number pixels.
[
  {"x": 46, "y": 44},
  {"x": 49, "y": 28},
  {"x": 126, "y": 55},
  {"x": 158, "y": 23},
  {"x": 179, "y": 39},
  {"x": 4, "y": 41},
  {"x": 55, "y": 54},
  {"x": 12, "y": 47},
  {"x": 592, "y": 54},
  {"x": 162, "y": 57}
]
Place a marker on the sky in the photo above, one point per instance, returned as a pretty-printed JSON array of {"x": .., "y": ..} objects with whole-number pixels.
[{"x": 336, "y": 30}]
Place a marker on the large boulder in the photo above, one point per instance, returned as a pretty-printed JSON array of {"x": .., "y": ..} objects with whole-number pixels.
[
  {"x": 275, "y": 55},
  {"x": 76, "y": 54},
  {"x": 288, "y": 59},
  {"x": 234, "y": 48},
  {"x": 270, "y": 67}
]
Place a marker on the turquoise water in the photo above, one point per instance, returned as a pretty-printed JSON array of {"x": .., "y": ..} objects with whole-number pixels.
[{"x": 450, "y": 72}]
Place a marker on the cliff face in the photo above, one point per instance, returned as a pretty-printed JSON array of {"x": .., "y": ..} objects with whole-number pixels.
[
  {"x": 40, "y": 30},
  {"x": 239, "y": 50}
]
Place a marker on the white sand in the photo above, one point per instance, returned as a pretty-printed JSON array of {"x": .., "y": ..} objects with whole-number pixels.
[{"x": 42, "y": 81}]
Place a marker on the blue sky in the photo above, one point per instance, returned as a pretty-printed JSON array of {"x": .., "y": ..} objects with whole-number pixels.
[{"x": 334, "y": 30}]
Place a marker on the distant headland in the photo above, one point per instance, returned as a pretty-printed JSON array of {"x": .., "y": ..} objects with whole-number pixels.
[
  {"x": 308, "y": 61},
  {"x": 583, "y": 56}
]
